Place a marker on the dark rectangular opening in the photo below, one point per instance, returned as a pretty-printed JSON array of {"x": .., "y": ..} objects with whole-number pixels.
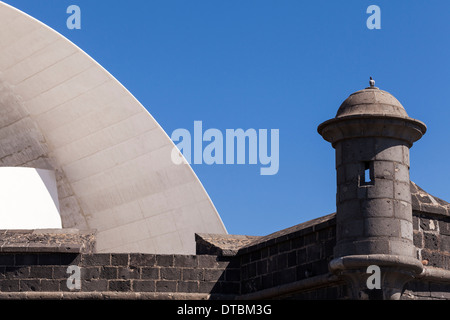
[{"x": 367, "y": 177}]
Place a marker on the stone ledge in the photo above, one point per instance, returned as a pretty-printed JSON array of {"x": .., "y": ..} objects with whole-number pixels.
[
  {"x": 105, "y": 295},
  {"x": 293, "y": 232},
  {"x": 221, "y": 244},
  {"x": 423, "y": 202},
  {"x": 47, "y": 241},
  {"x": 292, "y": 287},
  {"x": 37, "y": 248},
  {"x": 435, "y": 274},
  {"x": 384, "y": 260}
]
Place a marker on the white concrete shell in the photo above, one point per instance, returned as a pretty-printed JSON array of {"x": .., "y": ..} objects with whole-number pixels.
[
  {"x": 61, "y": 111},
  {"x": 28, "y": 199}
]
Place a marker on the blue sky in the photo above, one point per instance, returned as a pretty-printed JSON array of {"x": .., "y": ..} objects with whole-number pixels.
[{"x": 263, "y": 64}]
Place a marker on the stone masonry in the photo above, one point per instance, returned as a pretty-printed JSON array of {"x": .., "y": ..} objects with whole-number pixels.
[
  {"x": 383, "y": 219},
  {"x": 288, "y": 264},
  {"x": 44, "y": 275}
]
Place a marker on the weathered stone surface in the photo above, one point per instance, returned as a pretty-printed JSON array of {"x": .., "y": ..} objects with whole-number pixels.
[
  {"x": 371, "y": 101},
  {"x": 219, "y": 244},
  {"x": 47, "y": 240},
  {"x": 264, "y": 267},
  {"x": 423, "y": 201}
]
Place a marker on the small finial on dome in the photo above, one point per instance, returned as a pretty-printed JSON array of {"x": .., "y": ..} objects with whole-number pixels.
[{"x": 372, "y": 82}]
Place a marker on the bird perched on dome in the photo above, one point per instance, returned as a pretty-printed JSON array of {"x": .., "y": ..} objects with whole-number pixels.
[{"x": 372, "y": 82}]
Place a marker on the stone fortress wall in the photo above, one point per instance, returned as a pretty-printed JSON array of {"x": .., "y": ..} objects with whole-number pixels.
[{"x": 289, "y": 264}]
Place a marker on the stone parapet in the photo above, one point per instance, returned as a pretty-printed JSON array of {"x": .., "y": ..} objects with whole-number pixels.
[{"x": 47, "y": 240}]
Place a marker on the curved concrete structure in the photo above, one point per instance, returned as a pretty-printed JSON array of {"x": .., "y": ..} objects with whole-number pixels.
[{"x": 60, "y": 110}]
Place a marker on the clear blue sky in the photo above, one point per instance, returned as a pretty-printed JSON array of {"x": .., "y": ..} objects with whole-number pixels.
[{"x": 263, "y": 64}]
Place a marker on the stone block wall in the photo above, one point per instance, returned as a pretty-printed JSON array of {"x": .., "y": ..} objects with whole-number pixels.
[
  {"x": 290, "y": 264},
  {"x": 194, "y": 276},
  {"x": 432, "y": 239},
  {"x": 295, "y": 254}
]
